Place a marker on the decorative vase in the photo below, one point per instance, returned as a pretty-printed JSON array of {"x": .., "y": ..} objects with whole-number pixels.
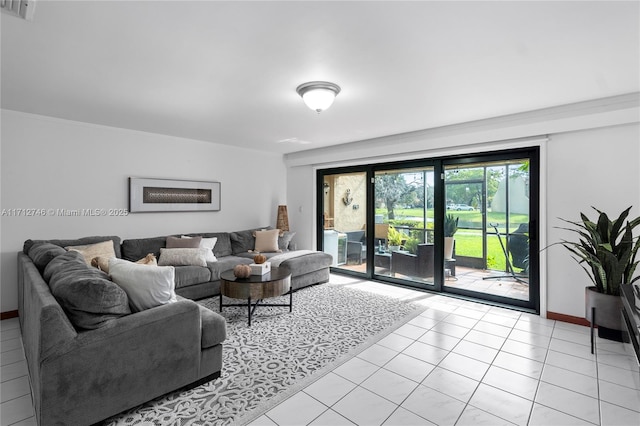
[
  {"x": 607, "y": 311},
  {"x": 448, "y": 248}
]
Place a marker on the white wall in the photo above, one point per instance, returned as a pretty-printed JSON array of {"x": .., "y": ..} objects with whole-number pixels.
[
  {"x": 49, "y": 163},
  {"x": 591, "y": 158},
  {"x": 302, "y": 202},
  {"x": 586, "y": 168},
  {"x": 597, "y": 166}
]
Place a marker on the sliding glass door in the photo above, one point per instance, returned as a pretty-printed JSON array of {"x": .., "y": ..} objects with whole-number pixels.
[
  {"x": 404, "y": 224},
  {"x": 465, "y": 225},
  {"x": 489, "y": 212}
]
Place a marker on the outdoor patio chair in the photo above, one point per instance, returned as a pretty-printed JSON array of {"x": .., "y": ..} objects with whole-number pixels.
[
  {"x": 520, "y": 254},
  {"x": 356, "y": 247}
]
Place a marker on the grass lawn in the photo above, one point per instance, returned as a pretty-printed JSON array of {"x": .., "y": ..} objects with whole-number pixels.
[
  {"x": 469, "y": 243},
  {"x": 469, "y": 235},
  {"x": 468, "y": 219}
]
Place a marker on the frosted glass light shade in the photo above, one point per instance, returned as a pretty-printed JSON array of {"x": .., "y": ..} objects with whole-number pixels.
[{"x": 318, "y": 95}]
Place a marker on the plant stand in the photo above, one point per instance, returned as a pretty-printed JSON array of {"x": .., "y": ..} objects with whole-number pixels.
[
  {"x": 603, "y": 311},
  {"x": 603, "y": 332}
]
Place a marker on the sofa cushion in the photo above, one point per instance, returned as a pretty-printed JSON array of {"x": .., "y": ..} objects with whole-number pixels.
[
  {"x": 89, "y": 251},
  {"x": 226, "y": 263},
  {"x": 147, "y": 286},
  {"x": 307, "y": 262},
  {"x": 69, "y": 260},
  {"x": 89, "y": 299},
  {"x": 243, "y": 241},
  {"x": 137, "y": 248},
  {"x": 189, "y": 275},
  {"x": 43, "y": 253},
  {"x": 78, "y": 242},
  {"x": 285, "y": 239},
  {"x": 191, "y": 242},
  {"x": 251, "y": 255},
  {"x": 223, "y": 243}
]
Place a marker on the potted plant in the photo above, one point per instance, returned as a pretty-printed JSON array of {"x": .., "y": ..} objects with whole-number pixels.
[
  {"x": 411, "y": 244},
  {"x": 450, "y": 228},
  {"x": 394, "y": 238},
  {"x": 606, "y": 250}
]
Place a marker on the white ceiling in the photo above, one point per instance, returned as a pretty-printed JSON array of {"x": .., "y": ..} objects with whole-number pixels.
[{"x": 226, "y": 72}]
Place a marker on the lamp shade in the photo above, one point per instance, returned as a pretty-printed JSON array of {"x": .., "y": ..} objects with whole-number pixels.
[{"x": 318, "y": 95}]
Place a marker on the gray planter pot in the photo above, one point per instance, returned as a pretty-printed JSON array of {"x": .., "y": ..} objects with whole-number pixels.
[{"x": 608, "y": 308}]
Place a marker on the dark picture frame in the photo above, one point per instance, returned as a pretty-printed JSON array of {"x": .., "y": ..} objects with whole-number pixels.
[{"x": 170, "y": 195}]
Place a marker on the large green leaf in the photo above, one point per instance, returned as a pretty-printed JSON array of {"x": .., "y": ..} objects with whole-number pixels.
[{"x": 605, "y": 249}]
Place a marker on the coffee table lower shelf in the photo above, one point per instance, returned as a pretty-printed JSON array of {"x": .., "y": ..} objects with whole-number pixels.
[{"x": 255, "y": 289}]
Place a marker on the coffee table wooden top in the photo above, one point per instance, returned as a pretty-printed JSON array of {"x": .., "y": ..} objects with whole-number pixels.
[{"x": 272, "y": 284}]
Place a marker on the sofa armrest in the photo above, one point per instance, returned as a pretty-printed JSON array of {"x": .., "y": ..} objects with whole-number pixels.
[
  {"x": 152, "y": 326},
  {"x": 214, "y": 327},
  {"x": 127, "y": 362}
]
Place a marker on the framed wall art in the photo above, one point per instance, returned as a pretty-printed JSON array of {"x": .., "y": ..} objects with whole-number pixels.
[{"x": 166, "y": 195}]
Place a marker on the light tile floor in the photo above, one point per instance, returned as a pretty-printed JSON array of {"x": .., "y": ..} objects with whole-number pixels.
[
  {"x": 16, "y": 407},
  {"x": 459, "y": 363},
  {"x": 478, "y": 280},
  {"x": 466, "y": 363}
]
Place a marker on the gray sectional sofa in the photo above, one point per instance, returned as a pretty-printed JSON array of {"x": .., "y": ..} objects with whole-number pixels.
[
  {"x": 90, "y": 357},
  {"x": 232, "y": 248}
]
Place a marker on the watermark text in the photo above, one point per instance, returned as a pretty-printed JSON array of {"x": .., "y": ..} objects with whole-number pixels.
[{"x": 40, "y": 212}]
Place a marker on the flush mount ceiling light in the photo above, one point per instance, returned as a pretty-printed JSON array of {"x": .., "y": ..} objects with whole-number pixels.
[{"x": 318, "y": 95}]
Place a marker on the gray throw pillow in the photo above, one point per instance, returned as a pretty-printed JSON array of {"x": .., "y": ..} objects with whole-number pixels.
[
  {"x": 285, "y": 239},
  {"x": 87, "y": 296},
  {"x": 243, "y": 241},
  {"x": 67, "y": 260},
  {"x": 42, "y": 254},
  {"x": 137, "y": 248},
  {"x": 77, "y": 242}
]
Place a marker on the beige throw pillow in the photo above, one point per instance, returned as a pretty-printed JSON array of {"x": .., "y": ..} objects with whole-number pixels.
[
  {"x": 267, "y": 241},
  {"x": 89, "y": 251},
  {"x": 149, "y": 259},
  {"x": 102, "y": 263},
  {"x": 183, "y": 257}
]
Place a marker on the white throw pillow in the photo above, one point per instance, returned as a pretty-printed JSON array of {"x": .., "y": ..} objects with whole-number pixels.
[
  {"x": 147, "y": 286},
  {"x": 183, "y": 257},
  {"x": 208, "y": 243},
  {"x": 267, "y": 241}
]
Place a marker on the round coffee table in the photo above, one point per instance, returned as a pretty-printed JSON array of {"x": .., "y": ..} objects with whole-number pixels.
[{"x": 256, "y": 288}]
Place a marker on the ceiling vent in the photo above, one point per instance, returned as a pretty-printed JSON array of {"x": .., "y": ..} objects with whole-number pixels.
[{"x": 20, "y": 8}]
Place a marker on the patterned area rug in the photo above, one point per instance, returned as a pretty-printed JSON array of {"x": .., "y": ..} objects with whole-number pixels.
[{"x": 278, "y": 355}]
